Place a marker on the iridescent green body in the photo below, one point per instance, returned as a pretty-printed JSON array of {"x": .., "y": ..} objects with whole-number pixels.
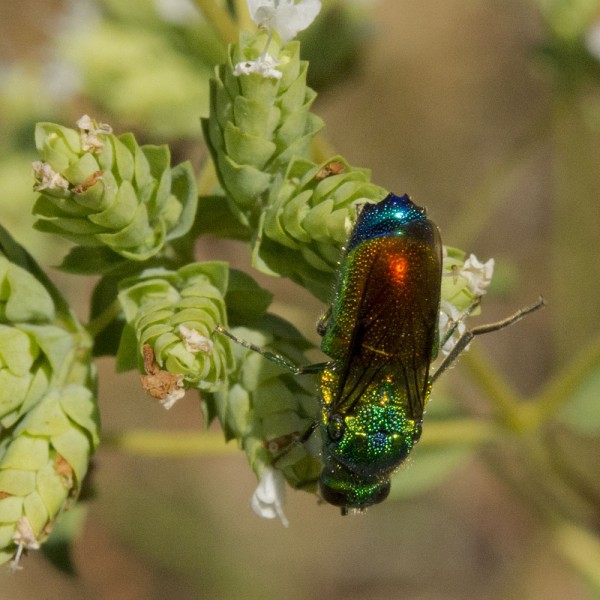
[{"x": 381, "y": 336}]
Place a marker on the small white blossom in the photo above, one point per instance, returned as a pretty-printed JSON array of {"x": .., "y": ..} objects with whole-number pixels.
[
  {"x": 286, "y": 17},
  {"x": 478, "y": 274},
  {"x": 25, "y": 539},
  {"x": 194, "y": 342},
  {"x": 47, "y": 178},
  {"x": 90, "y": 132},
  {"x": 264, "y": 65},
  {"x": 268, "y": 499},
  {"x": 592, "y": 40},
  {"x": 181, "y": 12},
  {"x": 448, "y": 317},
  {"x": 177, "y": 393}
]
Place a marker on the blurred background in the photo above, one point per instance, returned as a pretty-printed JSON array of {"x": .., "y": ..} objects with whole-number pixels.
[{"x": 486, "y": 113}]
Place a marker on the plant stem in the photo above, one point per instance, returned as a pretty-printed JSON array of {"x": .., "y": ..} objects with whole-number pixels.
[
  {"x": 143, "y": 442},
  {"x": 219, "y": 18},
  {"x": 95, "y": 326},
  {"x": 245, "y": 23},
  {"x": 559, "y": 390},
  {"x": 207, "y": 179},
  {"x": 581, "y": 549},
  {"x": 505, "y": 403},
  {"x": 465, "y": 432},
  {"x": 160, "y": 444}
]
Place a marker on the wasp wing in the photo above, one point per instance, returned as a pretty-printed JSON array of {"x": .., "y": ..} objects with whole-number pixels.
[{"x": 394, "y": 330}]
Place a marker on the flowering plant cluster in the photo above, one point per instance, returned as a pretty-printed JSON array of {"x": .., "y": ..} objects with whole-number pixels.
[
  {"x": 49, "y": 425},
  {"x": 133, "y": 219}
]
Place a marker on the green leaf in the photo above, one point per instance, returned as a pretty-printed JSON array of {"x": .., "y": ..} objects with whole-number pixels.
[
  {"x": 183, "y": 186},
  {"x": 27, "y": 300},
  {"x": 127, "y": 352},
  {"x": 106, "y": 341},
  {"x": 57, "y": 549},
  {"x": 218, "y": 217},
  {"x": 82, "y": 260},
  {"x": 18, "y": 255},
  {"x": 246, "y": 301}
]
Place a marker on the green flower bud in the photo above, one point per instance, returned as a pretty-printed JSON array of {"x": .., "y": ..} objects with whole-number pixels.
[
  {"x": 97, "y": 189},
  {"x": 266, "y": 408},
  {"x": 258, "y": 121},
  {"x": 174, "y": 314},
  {"x": 309, "y": 215},
  {"x": 49, "y": 424}
]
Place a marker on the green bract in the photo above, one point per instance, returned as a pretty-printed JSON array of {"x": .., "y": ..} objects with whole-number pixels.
[
  {"x": 106, "y": 190},
  {"x": 265, "y": 408},
  {"x": 159, "y": 303},
  {"x": 309, "y": 215},
  {"x": 49, "y": 424},
  {"x": 43, "y": 460},
  {"x": 258, "y": 124},
  {"x": 259, "y": 132}
]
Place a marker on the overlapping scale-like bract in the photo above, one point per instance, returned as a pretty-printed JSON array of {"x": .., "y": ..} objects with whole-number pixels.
[
  {"x": 265, "y": 408},
  {"x": 159, "y": 303},
  {"x": 309, "y": 215},
  {"x": 111, "y": 192},
  {"x": 258, "y": 124},
  {"x": 49, "y": 424},
  {"x": 259, "y": 132}
]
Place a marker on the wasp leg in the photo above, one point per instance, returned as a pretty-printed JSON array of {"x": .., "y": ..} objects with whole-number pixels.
[
  {"x": 275, "y": 358},
  {"x": 467, "y": 336},
  {"x": 296, "y": 440}
]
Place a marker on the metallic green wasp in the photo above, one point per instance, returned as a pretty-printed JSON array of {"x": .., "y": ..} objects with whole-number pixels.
[{"x": 381, "y": 336}]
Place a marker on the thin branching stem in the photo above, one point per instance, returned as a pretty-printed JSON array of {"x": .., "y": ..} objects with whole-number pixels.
[
  {"x": 505, "y": 403},
  {"x": 174, "y": 444},
  {"x": 561, "y": 387},
  {"x": 581, "y": 549},
  {"x": 464, "y": 432},
  {"x": 95, "y": 326},
  {"x": 242, "y": 13}
]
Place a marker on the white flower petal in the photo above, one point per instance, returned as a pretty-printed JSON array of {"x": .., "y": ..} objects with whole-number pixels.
[
  {"x": 264, "y": 66},
  {"x": 286, "y": 17},
  {"x": 267, "y": 501},
  {"x": 47, "y": 178},
  {"x": 176, "y": 394},
  {"x": 478, "y": 274},
  {"x": 89, "y": 132},
  {"x": 448, "y": 316},
  {"x": 592, "y": 40},
  {"x": 181, "y": 12},
  {"x": 25, "y": 539},
  {"x": 194, "y": 342}
]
